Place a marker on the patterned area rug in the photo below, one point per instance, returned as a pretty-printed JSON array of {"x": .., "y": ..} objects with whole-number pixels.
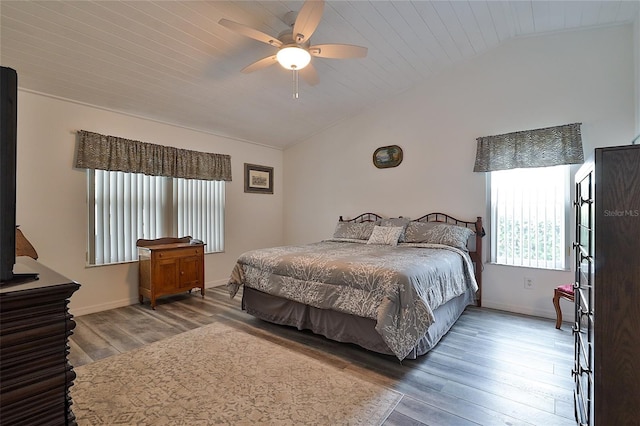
[{"x": 221, "y": 375}]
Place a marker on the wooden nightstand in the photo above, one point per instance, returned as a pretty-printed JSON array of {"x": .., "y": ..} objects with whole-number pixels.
[{"x": 169, "y": 266}]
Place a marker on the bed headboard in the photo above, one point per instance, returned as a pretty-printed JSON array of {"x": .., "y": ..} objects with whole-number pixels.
[
  {"x": 475, "y": 252},
  {"x": 364, "y": 217}
]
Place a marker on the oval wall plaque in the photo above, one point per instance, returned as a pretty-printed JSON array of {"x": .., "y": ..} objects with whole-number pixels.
[{"x": 387, "y": 156}]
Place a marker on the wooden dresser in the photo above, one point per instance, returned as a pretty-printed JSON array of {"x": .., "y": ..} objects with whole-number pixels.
[
  {"x": 169, "y": 266},
  {"x": 607, "y": 288},
  {"x": 35, "y": 324}
]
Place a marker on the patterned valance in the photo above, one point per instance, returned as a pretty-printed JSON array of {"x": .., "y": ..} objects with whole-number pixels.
[
  {"x": 551, "y": 146},
  {"x": 96, "y": 151}
]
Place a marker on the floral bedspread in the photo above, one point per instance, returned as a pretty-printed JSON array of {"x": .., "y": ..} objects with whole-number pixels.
[{"x": 398, "y": 286}]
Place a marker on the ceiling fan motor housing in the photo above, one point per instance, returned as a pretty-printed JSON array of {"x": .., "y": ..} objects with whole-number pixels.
[{"x": 286, "y": 37}]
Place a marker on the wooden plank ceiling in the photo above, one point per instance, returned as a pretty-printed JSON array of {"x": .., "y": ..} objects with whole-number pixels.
[{"x": 171, "y": 61}]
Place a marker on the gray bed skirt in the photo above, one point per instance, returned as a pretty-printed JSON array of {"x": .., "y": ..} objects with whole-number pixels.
[{"x": 347, "y": 328}]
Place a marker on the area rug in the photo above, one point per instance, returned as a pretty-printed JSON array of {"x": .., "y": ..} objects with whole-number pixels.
[{"x": 221, "y": 375}]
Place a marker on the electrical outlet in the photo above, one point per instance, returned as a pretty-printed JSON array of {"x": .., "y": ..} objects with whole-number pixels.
[{"x": 528, "y": 283}]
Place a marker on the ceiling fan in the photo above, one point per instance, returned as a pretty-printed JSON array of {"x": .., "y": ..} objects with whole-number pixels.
[{"x": 294, "y": 45}]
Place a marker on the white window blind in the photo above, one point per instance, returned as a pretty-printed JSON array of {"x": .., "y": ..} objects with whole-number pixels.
[
  {"x": 529, "y": 216},
  {"x": 124, "y": 207},
  {"x": 199, "y": 210}
]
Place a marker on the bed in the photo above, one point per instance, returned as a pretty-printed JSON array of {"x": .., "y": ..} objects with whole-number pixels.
[{"x": 390, "y": 285}]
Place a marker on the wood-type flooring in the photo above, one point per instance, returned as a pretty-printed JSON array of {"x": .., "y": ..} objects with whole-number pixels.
[{"x": 492, "y": 368}]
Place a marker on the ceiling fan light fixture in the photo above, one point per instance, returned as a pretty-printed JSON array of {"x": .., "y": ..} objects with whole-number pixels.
[{"x": 293, "y": 58}]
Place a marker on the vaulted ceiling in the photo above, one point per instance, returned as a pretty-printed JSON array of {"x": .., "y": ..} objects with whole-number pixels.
[{"x": 172, "y": 61}]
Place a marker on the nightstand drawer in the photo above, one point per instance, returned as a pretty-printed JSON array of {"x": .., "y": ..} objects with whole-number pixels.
[{"x": 182, "y": 252}]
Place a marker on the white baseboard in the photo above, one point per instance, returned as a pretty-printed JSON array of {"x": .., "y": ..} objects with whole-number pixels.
[
  {"x": 102, "y": 307},
  {"x": 524, "y": 310},
  {"x": 77, "y": 312},
  {"x": 216, "y": 283}
]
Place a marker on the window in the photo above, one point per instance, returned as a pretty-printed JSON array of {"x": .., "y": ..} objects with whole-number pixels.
[
  {"x": 124, "y": 207},
  {"x": 529, "y": 216}
]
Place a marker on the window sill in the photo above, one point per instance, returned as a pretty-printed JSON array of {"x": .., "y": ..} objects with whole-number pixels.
[{"x": 529, "y": 267}]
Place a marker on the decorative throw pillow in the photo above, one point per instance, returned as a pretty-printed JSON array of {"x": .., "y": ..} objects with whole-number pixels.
[
  {"x": 354, "y": 230},
  {"x": 451, "y": 235},
  {"x": 418, "y": 232},
  {"x": 397, "y": 221},
  {"x": 385, "y": 235}
]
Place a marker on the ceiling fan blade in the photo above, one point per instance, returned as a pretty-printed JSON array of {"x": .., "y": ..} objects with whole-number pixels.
[
  {"x": 338, "y": 51},
  {"x": 307, "y": 20},
  {"x": 259, "y": 64},
  {"x": 250, "y": 32},
  {"x": 309, "y": 75}
]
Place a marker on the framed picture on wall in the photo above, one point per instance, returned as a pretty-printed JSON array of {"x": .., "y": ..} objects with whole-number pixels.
[
  {"x": 258, "y": 179},
  {"x": 387, "y": 156}
]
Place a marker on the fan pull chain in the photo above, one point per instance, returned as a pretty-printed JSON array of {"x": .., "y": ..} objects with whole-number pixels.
[{"x": 295, "y": 83}]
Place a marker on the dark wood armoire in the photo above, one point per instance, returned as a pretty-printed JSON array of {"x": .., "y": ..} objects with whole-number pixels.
[
  {"x": 607, "y": 288},
  {"x": 35, "y": 325}
]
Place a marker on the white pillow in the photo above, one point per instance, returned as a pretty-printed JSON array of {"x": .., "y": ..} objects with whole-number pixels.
[{"x": 385, "y": 235}]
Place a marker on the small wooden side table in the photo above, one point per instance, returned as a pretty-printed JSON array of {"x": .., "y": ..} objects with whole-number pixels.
[{"x": 169, "y": 266}]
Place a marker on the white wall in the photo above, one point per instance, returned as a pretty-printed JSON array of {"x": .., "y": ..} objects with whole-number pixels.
[
  {"x": 51, "y": 197},
  {"x": 583, "y": 76}
]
